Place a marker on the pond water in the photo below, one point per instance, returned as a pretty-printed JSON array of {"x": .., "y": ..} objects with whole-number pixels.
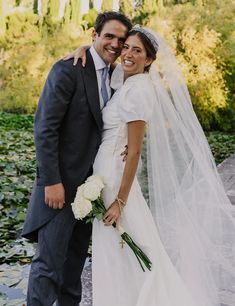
[{"x": 14, "y": 280}]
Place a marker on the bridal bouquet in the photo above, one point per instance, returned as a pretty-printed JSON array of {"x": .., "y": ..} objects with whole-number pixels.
[{"x": 89, "y": 203}]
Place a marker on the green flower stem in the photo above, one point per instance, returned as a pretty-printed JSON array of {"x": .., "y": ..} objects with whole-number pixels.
[
  {"x": 137, "y": 251},
  {"x": 99, "y": 208}
]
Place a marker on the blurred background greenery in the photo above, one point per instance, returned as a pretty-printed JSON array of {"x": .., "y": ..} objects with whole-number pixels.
[{"x": 36, "y": 33}]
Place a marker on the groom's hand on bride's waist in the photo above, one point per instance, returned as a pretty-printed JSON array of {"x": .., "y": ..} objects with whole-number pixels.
[
  {"x": 54, "y": 196},
  {"x": 125, "y": 153}
]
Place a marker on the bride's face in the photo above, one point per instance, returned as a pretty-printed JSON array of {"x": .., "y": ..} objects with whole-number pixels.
[{"x": 134, "y": 56}]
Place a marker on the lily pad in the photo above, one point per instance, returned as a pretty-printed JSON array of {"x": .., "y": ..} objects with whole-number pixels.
[{"x": 15, "y": 302}]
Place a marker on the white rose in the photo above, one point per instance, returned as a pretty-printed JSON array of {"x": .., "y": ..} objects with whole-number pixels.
[
  {"x": 91, "y": 191},
  {"x": 81, "y": 207},
  {"x": 97, "y": 179},
  {"x": 80, "y": 191}
]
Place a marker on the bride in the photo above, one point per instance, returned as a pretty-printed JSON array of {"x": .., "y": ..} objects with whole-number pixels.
[{"x": 188, "y": 232}]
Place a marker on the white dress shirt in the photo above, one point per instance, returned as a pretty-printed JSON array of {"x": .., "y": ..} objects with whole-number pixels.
[{"x": 99, "y": 65}]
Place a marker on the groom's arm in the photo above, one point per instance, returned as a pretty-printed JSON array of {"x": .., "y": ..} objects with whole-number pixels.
[{"x": 53, "y": 104}]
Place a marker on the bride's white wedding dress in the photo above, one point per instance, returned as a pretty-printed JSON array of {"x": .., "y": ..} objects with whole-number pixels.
[{"x": 117, "y": 277}]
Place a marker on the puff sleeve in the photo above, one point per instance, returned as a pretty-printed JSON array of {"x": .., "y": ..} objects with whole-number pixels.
[{"x": 136, "y": 99}]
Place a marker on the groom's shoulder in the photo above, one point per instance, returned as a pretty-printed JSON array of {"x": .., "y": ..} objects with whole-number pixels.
[
  {"x": 66, "y": 66},
  {"x": 63, "y": 71}
]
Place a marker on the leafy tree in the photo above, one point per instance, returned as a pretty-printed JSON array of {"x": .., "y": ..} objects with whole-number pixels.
[
  {"x": 35, "y": 6},
  {"x": 76, "y": 16},
  {"x": 2, "y": 19},
  {"x": 198, "y": 2},
  {"x": 107, "y": 5},
  {"x": 160, "y": 4},
  {"x": 90, "y": 17},
  {"x": 44, "y": 4},
  {"x": 91, "y": 4},
  {"x": 127, "y": 7},
  {"x": 67, "y": 12},
  {"x": 200, "y": 32},
  {"x": 144, "y": 10},
  {"x": 202, "y": 39},
  {"x": 205, "y": 79},
  {"x": 54, "y": 6},
  {"x": 150, "y": 6},
  {"x": 173, "y": 2}
]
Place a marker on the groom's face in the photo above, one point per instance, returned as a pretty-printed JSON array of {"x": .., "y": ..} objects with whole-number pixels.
[{"x": 109, "y": 42}]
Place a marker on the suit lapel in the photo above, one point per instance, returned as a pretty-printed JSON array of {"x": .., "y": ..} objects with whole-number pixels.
[{"x": 92, "y": 90}]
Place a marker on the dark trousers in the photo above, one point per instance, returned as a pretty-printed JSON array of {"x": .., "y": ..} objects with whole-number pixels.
[{"x": 58, "y": 263}]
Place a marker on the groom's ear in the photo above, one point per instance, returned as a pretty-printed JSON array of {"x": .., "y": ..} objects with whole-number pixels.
[{"x": 94, "y": 35}]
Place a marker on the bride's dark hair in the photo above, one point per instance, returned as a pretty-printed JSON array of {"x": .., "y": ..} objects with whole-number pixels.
[{"x": 150, "y": 51}]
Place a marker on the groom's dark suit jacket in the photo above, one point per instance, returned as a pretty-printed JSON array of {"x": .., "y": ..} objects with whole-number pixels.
[{"x": 68, "y": 126}]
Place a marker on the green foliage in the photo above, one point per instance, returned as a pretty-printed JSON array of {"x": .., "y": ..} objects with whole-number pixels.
[
  {"x": 200, "y": 39},
  {"x": 222, "y": 145},
  {"x": 76, "y": 16},
  {"x": 28, "y": 53},
  {"x": 205, "y": 79},
  {"x": 67, "y": 12},
  {"x": 127, "y": 7},
  {"x": 54, "y": 6},
  {"x": 20, "y": 82},
  {"x": 18, "y": 74},
  {"x": 2, "y": 19},
  {"x": 16, "y": 122},
  {"x": 150, "y": 6},
  {"x": 45, "y": 7},
  {"x": 90, "y": 17},
  {"x": 200, "y": 32},
  {"x": 144, "y": 12},
  {"x": 22, "y": 27},
  {"x": 160, "y": 4},
  {"x": 107, "y": 5},
  {"x": 17, "y": 171}
]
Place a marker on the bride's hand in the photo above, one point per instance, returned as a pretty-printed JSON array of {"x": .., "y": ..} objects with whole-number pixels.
[
  {"x": 78, "y": 53},
  {"x": 113, "y": 214}
]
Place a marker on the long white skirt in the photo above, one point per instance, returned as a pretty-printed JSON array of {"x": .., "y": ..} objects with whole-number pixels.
[{"x": 117, "y": 277}]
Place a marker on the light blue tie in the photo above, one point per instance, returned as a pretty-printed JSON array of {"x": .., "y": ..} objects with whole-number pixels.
[{"x": 104, "y": 91}]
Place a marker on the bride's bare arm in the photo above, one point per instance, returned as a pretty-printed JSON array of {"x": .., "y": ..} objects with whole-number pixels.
[
  {"x": 80, "y": 52},
  {"x": 136, "y": 131}
]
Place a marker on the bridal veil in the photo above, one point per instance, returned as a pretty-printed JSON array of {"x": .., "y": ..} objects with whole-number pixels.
[{"x": 195, "y": 218}]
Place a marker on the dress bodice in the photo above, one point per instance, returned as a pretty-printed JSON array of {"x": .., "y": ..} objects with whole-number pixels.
[
  {"x": 132, "y": 101},
  {"x": 114, "y": 133}
]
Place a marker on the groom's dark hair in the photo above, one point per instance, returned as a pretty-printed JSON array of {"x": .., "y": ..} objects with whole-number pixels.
[{"x": 102, "y": 18}]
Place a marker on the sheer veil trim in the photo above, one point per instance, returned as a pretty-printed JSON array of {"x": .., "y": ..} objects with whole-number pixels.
[
  {"x": 194, "y": 217},
  {"x": 117, "y": 78}
]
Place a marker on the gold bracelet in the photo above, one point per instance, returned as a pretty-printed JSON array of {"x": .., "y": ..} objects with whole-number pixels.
[
  {"x": 121, "y": 201},
  {"x": 121, "y": 204},
  {"x": 120, "y": 207}
]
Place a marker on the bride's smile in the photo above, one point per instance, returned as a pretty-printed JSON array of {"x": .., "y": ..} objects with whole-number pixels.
[{"x": 134, "y": 56}]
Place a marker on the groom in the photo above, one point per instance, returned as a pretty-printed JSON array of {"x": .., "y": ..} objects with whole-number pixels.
[{"x": 68, "y": 127}]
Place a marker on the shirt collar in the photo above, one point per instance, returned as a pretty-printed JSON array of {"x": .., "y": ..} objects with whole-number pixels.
[{"x": 98, "y": 61}]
